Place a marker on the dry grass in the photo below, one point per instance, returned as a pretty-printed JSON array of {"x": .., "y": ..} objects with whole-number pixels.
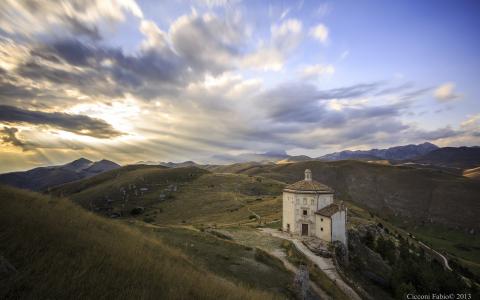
[
  {"x": 200, "y": 198},
  {"x": 316, "y": 275},
  {"x": 226, "y": 199},
  {"x": 61, "y": 251}
]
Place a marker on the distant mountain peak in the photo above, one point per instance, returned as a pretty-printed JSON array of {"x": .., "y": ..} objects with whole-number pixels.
[
  {"x": 44, "y": 177},
  {"x": 392, "y": 153},
  {"x": 78, "y": 164},
  {"x": 276, "y": 153},
  {"x": 81, "y": 160}
]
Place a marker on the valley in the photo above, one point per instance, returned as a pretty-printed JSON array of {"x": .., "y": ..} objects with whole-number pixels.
[
  {"x": 230, "y": 149},
  {"x": 212, "y": 219}
]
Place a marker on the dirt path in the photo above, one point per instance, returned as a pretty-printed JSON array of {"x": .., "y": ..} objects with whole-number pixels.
[
  {"x": 283, "y": 257},
  {"x": 444, "y": 260},
  {"x": 325, "y": 264},
  {"x": 248, "y": 208}
]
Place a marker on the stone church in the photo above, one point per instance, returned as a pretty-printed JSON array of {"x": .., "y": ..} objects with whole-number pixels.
[{"x": 309, "y": 210}]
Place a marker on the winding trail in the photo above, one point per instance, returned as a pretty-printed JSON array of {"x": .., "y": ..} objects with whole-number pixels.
[
  {"x": 443, "y": 259},
  {"x": 325, "y": 264}
]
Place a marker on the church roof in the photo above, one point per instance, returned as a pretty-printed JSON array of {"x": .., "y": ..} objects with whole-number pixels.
[
  {"x": 309, "y": 186},
  {"x": 329, "y": 210}
]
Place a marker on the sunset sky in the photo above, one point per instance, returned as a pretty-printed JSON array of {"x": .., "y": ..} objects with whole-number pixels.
[{"x": 182, "y": 80}]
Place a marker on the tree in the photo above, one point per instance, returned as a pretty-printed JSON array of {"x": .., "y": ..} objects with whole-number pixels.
[{"x": 386, "y": 248}]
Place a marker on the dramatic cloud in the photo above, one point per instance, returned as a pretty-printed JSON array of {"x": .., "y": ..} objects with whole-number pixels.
[
  {"x": 446, "y": 92},
  {"x": 78, "y": 124},
  {"x": 78, "y": 17},
  {"x": 271, "y": 56},
  {"x": 206, "y": 42},
  {"x": 8, "y": 135},
  {"x": 156, "y": 39},
  {"x": 188, "y": 80},
  {"x": 312, "y": 105}
]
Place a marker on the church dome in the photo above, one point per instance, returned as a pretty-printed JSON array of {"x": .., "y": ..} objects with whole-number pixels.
[{"x": 308, "y": 185}]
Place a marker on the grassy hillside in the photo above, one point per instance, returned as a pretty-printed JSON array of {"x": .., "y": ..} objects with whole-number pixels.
[
  {"x": 454, "y": 157},
  {"x": 120, "y": 191},
  {"x": 236, "y": 168},
  {"x": 177, "y": 196},
  {"x": 419, "y": 195},
  {"x": 229, "y": 259},
  {"x": 406, "y": 199},
  {"x": 472, "y": 173},
  {"x": 61, "y": 251},
  {"x": 223, "y": 199}
]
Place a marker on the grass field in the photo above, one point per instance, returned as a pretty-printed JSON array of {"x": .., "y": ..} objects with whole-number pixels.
[
  {"x": 61, "y": 251},
  {"x": 190, "y": 195},
  {"x": 235, "y": 204},
  {"x": 228, "y": 259}
]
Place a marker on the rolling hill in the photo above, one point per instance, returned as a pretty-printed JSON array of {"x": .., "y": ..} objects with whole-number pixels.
[
  {"x": 452, "y": 157},
  {"x": 196, "y": 201},
  {"x": 57, "y": 250},
  {"x": 42, "y": 178},
  {"x": 407, "y": 193},
  {"x": 164, "y": 195}
]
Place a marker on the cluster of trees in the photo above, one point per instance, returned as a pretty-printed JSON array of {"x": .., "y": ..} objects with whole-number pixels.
[{"x": 413, "y": 271}]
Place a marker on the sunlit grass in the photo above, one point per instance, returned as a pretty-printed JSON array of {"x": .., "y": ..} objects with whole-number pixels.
[{"x": 61, "y": 251}]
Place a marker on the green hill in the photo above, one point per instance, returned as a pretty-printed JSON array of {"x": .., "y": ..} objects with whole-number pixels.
[
  {"x": 407, "y": 193},
  {"x": 425, "y": 202},
  {"x": 453, "y": 157},
  {"x": 60, "y": 251},
  {"x": 179, "y": 195}
]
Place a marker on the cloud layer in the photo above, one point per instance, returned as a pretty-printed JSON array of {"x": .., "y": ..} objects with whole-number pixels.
[
  {"x": 207, "y": 81},
  {"x": 78, "y": 124}
]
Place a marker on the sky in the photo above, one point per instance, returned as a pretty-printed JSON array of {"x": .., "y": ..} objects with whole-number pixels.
[{"x": 133, "y": 81}]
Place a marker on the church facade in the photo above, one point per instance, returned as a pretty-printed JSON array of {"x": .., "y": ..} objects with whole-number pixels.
[{"x": 309, "y": 210}]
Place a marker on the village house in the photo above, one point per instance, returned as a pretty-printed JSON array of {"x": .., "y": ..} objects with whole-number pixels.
[{"x": 309, "y": 210}]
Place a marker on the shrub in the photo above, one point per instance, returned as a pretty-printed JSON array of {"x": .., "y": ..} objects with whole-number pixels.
[{"x": 137, "y": 211}]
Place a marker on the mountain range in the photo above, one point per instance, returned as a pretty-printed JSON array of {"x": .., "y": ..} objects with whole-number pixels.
[
  {"x": 393, "y": 153},
  {"x": 41, "y": 178},
  {"x": 397, "y": 153},
  {"x": 452, "y": 157},
  {"x": 426, "y": 155}
]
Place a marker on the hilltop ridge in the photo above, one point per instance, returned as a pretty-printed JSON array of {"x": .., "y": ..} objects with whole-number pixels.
[{"x": 39, "y": 179}]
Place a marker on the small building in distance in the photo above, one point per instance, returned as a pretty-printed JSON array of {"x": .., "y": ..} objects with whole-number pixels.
[{"x": 309, "y": 210}]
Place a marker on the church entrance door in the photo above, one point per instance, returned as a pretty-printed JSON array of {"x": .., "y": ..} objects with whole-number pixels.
[{"x": 304, "y": 229}]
